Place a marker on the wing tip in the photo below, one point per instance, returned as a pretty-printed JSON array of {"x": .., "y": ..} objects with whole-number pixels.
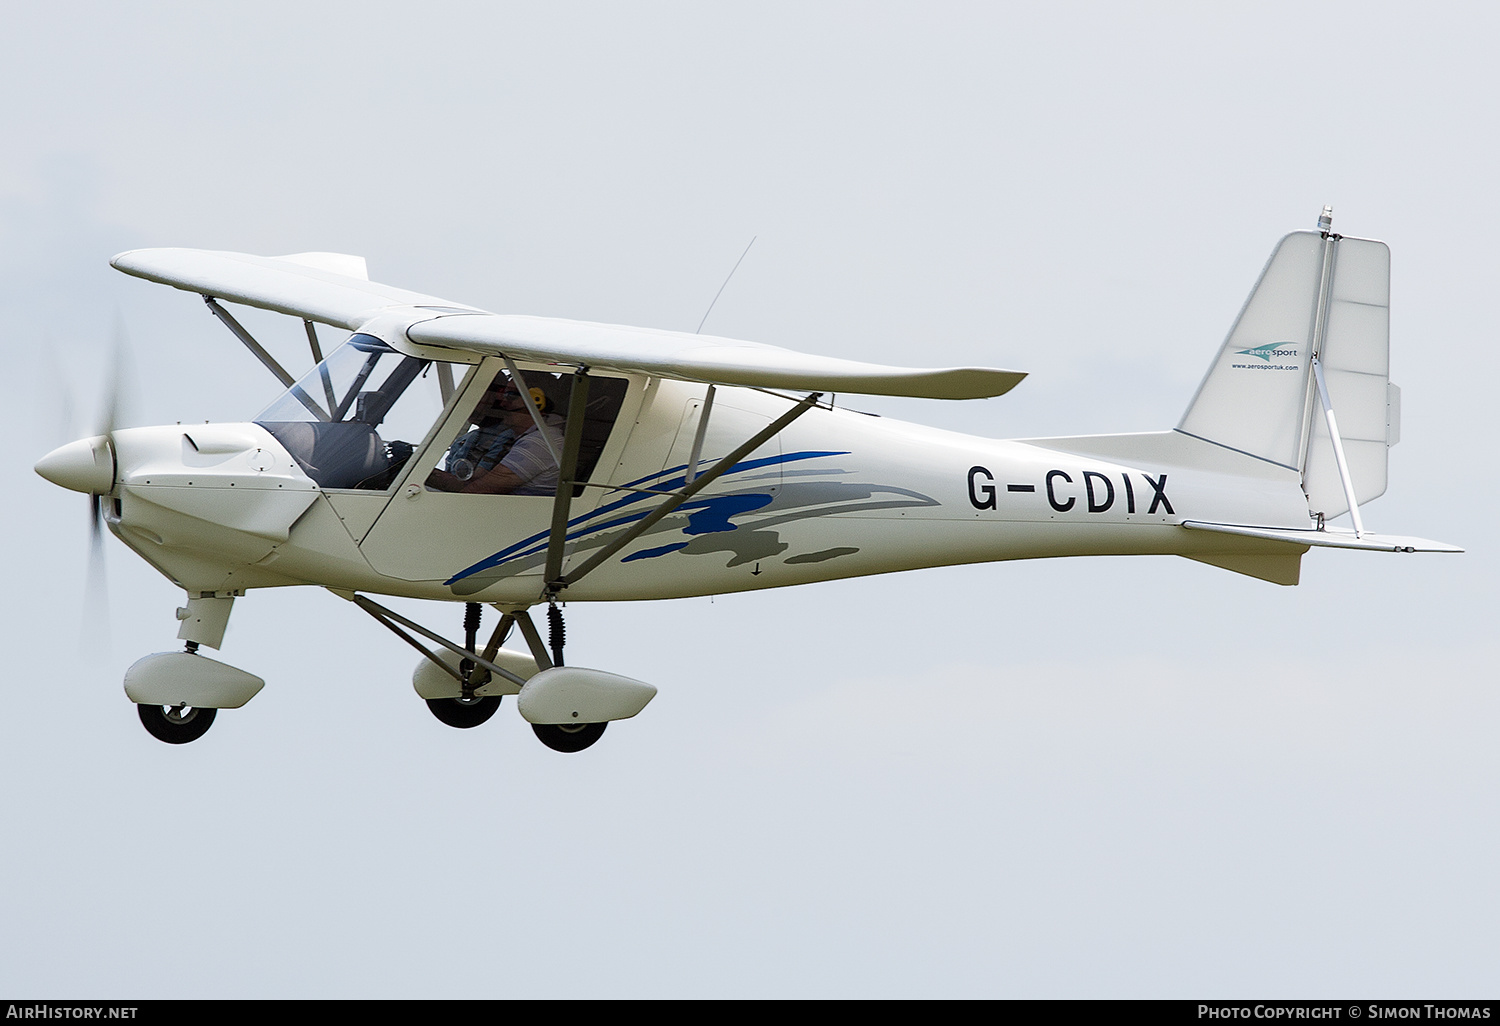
[
  {"x": 1014, "y": 379},
  {"x": 972, "y": 383}
]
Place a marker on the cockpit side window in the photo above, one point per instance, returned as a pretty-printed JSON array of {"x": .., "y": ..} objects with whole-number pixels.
[
  {"x": 606, "y": 396},
  {"x": 510, "y": 449},
  {"x": 354, "y": 420}
]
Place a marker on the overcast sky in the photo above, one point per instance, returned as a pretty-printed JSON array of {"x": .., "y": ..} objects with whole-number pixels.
[{"x": 1106, "y": 777}]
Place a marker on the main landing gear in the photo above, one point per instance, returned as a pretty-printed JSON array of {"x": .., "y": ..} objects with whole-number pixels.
[
  {"x": 568, "y": 708},
  {"x": 564, "y": 737},
  {"x": 178, "y": 694},
  {"x": 568, "y": 737},
  {"x": 176, "y": 724},
  {"x": 464, "y": 712},
  {"x": 467, "y": 709}
]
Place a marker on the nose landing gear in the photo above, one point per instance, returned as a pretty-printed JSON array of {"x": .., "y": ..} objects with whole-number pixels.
[{"x": 178, "y": 694}]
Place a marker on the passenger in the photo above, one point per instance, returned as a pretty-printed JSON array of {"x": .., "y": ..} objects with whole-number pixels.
[
  {"x": 527, "y": 468},
  {"x": 479, "y": 449}
]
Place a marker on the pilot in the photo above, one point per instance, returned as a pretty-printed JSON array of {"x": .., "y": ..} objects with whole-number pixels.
[{"x": 527, "y": 467}]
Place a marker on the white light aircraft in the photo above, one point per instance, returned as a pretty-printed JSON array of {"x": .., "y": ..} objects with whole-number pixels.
[{"x": 443, "y": 452}]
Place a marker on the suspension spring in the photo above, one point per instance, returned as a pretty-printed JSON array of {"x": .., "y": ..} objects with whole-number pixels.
[
  {"x": 557, "y": 633},
  {"x": 472, "y": 611}
]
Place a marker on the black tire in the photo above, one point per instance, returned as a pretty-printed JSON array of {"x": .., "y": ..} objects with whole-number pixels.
[
  {"x": 464, "y": 713},
  {"x": 568, "y": 737},
  {"x": 176, "y": 725}
]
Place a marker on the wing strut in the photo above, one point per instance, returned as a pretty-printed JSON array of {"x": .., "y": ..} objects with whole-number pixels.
[
  {"x": 317, "y": 353},
  {"x": 708, "y": 405},
  {"x": 578, "y": 399},
  {"x": 677, "y": 498},
  {"x": 312, "y": 340},
  {"x": 244, "y": 336},
  {"x": 536, "y": 414}
]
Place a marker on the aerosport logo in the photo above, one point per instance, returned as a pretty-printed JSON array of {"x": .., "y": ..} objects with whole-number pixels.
[{"x": 1273, "y": 350}]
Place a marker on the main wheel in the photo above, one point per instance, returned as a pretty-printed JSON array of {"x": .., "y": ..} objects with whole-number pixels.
[
  {"x": 464, "y": 712},
  {"x": 568, "y": 737},
  {"x": 176, "y": 724}
]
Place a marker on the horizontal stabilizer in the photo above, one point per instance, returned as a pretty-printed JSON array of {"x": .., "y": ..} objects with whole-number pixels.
[
  {"x": 1328, "y": 538},
  {"x": 722, "y": 361}
]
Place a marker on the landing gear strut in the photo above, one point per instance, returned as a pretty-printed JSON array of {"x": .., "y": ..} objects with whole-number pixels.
[
  {"x": 557, "y": 633},
  {"x": 567, "y": 707},
  {"x": 564, "y": 737},
  {"x": 469, "y": 709}
]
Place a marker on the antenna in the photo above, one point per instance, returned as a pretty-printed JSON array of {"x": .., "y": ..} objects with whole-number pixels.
[{"x": 736, "y": 267}]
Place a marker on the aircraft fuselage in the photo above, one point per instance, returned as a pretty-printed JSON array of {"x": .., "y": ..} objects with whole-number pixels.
[{"x": 223, "y": 508}]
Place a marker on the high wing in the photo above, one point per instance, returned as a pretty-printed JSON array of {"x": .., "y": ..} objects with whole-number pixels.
[
  {"x": 287, "y": 285},
  {"x": 303, "y": 286},
  {"x": 723, "y": 361}
]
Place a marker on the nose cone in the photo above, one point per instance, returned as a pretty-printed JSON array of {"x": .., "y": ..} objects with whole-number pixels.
[{"x": 87, "y": 465}]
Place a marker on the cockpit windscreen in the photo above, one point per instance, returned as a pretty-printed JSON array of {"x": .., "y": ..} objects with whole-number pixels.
[{"x": 354, "y": 420}]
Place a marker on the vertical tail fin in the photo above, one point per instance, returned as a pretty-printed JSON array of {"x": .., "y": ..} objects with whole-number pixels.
[{"x": 1320, "y": 295}]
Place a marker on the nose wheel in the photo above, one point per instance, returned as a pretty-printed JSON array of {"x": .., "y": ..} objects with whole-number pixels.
[{"x": 176, "y": 724}]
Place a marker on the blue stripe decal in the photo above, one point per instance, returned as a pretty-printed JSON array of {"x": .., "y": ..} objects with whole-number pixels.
[
  {"x": 713, "y": 515},
  {"x": 653, "y": 553}
]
